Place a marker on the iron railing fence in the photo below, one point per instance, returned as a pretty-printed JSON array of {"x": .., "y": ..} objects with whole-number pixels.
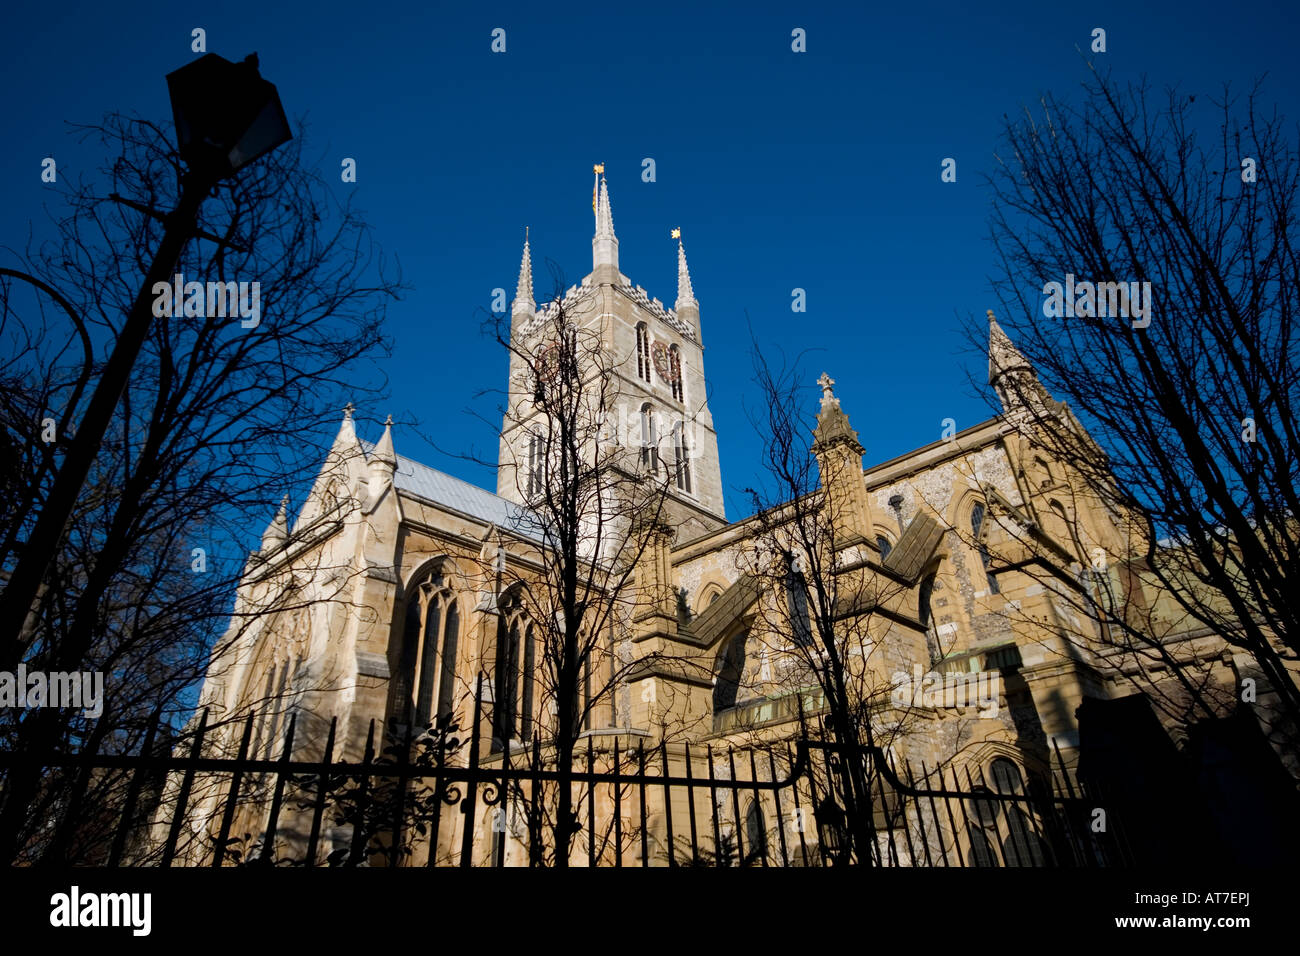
[{"x": 452, "y": 798}]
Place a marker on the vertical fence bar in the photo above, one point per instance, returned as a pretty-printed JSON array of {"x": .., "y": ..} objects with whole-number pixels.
[
  {"x": 713, "y": 803},
  {"x": 1033, "y": 811},
  {"x": 812, "y": 799},
  {"x": 272, "y": 824},
  {"x": 999, "y": 846},
  {"x": 468, "y": 802},
  {"x": 439, "y": 792},
  {"x": 776, "y": 799},
  {"x": 232, "y": 800},
  {"x": 534, "y": 820},
  {"x": 735, "y": 809},
  {"x": 85, "y": 766},
  {"x": 401, "y": 782},
  {"x": 591, "y": 806},
  {"x": 133, "y": 792},
  {"x": 901, "y": 818},
  {"x": 1083, "y": 842},
  {"x": 884, "y": 813},
  {"x": 645, "y": 843},
  {"x": 934, "y": 815},
  {"x": 668, "y": 810},
  {"x": 690, "y": 806},
  {"x": 758, "y": 802},
  {"x": 183, "y": 798},
  {"x": 318, "y": 808},
  {"x": 501, "y": 812},
  {"x": 360, "y": 829},
  {"x": 800, "y": 816},
  {"x": 920, "y": 818},
  {"x": 618, "y": 807},
  {"x": 965, "y": 815},
  {"x": 957, "y": 835}
]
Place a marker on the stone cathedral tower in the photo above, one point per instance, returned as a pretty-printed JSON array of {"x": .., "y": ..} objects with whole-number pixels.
[{"x": 657, "y": 354}]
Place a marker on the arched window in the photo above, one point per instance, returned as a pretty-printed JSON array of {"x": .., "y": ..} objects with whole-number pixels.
[
  {"x": 727, "y": 685},
  {"x": 649, "y": 443},
  {"x": 977, "y": 527},
  {"x": 513, "y": 679},
  {"x": 681, "y": 454},
  {"x": 981, "y": 853},
  {"x": 755, "y": 833},
  {"x": 923, "y": 600},
  {"x": 796, "y": 599},
  {"x": 430, "y": 639},
  {"x": 1006, "y": 775},
  {"x": 883, "y": 544},
  {"x": 675, "y": 371},
  {"x": 642, "y": 351},
  {"x": 264, "y": 705},
  {"x": 278, "y": 708},
  {"x": 536, "y": 463},
  {"x": 1022, "y": 846},
  {"x": 925, "y": 614},
  {"x": 1042, "y": 473}
]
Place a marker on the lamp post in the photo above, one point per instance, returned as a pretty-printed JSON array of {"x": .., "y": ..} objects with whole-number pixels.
[
  {"x": 830, "y": 827},
  {"x": 226, "y": 117}
]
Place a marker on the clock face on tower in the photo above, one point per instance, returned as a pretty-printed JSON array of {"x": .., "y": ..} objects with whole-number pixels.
[
  {"x": 548, "y": 361},
  {"x": 663, "y": 362}
]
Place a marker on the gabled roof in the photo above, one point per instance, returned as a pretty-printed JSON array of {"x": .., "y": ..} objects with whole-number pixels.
[
  {"x": 439, "y": 488},
  {"x": 914, "y": 549},
  {"x": 729, "y": 606}
]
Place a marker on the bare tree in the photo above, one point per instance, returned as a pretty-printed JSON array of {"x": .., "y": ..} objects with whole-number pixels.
[
  {"x": 821, "y": 581},
  {"x": 1170, "y": 333},
  {"x": 595, "y": 504},
  {"x": 142, "y": 586}
]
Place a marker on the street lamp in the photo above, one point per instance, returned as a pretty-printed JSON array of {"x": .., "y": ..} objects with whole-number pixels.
[
  {"x": 830, "y": 826},
  {"x": 226, "y": 117}
]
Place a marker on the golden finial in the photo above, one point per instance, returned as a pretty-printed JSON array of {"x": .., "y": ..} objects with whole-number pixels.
[
  {"x": 598, "y": 168},
  {"x": 677, "y": 233}
]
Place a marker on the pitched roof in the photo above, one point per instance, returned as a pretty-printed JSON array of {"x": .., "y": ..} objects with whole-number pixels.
[
  {"x": 910, "y": 556},
  {"x": 440, "y": 488},
  {"x": 710, "y": 623}
]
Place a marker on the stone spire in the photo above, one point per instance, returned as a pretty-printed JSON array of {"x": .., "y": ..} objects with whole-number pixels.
[
  {"x": 839, "y": 459},
  {"x": 604, "y": 245},
  {"x": 832, "y": 424},
  {"x": 1013, "y": 376},
  {"x": 1003, "y": 355},
  {"x": 524, "y": 305},
  {"x": 687, "y": 308},
  {"x": 383, "y": 463},
  {"x": 383, "y": 451},
  {"x": 347, "y": 436},
  {"x": 277, "y": 532},
  {"x": 685, "y": 294}
]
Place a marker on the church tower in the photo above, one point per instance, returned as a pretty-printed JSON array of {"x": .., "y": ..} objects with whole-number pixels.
[{"x": 659, "y": 405}]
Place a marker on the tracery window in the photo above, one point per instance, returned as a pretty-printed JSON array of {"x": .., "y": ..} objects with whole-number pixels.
[
  {"x": 675, "y": 371},
  {"x": 977, "y": 515},
  {"x": 431, "y": 635},
  {"x": 643, "y": 351}
]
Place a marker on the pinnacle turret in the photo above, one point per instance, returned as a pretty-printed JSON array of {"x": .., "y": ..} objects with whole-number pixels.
[
  {"x": 685, "y": 294},
  {"x": 525, "y": 304},
  {"x": 277, "y": 532},
  {"x": 604, "y": 245}
]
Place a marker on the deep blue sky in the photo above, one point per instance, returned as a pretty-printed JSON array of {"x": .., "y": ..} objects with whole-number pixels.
[{"x": 818, "y": 170}]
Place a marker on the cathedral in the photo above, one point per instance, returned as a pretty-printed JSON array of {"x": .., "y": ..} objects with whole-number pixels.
[{"x": 381, "y": 603}]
